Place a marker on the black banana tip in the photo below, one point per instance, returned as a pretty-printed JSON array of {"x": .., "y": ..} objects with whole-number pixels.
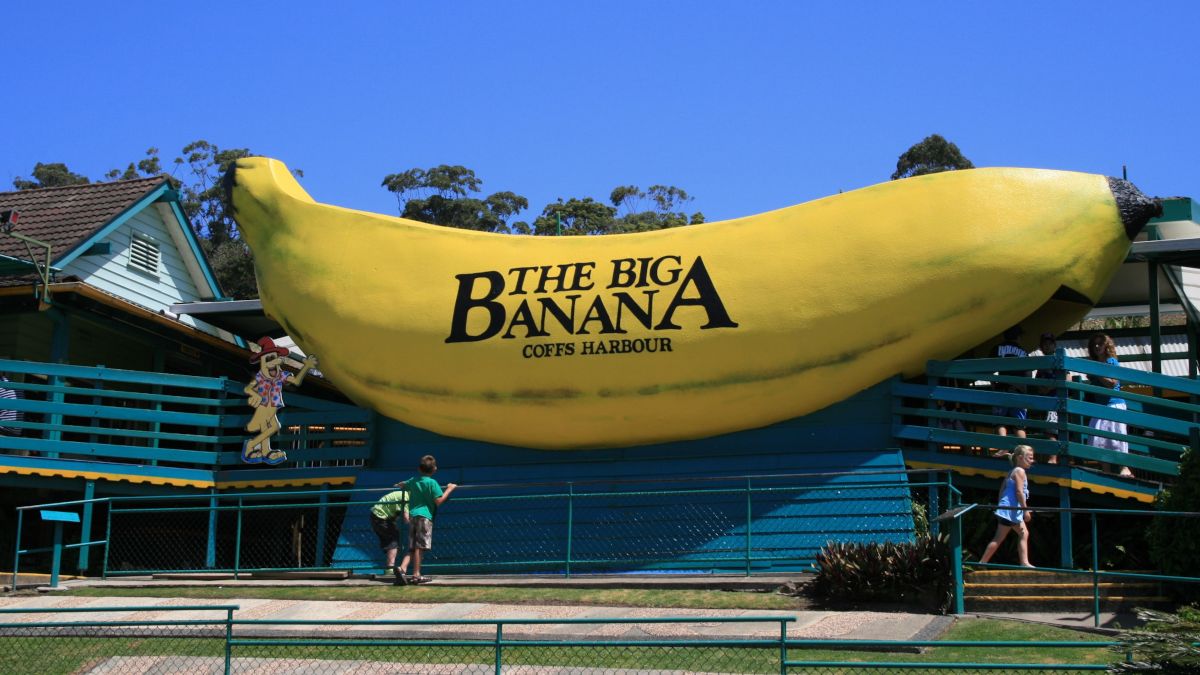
[
  {"x": 227, "y": 183},
  {"x": 1136, "y": 208}
]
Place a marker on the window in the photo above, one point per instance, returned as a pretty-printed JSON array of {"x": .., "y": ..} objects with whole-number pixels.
[{"x": 143, "y": 254}]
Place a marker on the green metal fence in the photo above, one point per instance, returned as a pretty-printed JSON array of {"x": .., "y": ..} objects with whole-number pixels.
[
  {"x": 211, "y": 639},
  {"x": 953, "y": 519},
  {"x": 738, "y": 524}
]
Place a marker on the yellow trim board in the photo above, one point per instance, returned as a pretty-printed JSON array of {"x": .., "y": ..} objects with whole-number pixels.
[
  {"x": 1040, "y": 480},
  {"x": 114, "y": 477},
  {"x": 178, "y": 482}
]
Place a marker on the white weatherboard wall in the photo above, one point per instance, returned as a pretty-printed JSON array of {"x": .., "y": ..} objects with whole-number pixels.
[{"x": 171, "y": 283}]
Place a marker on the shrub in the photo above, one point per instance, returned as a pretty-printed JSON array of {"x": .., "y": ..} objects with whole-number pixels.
[
  {"x": 1175, "y": 541},
  {"x": 1165, "y": 644},
  {"x": 910, "y": 573}
]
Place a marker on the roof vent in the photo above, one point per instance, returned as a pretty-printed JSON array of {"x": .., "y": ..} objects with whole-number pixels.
[{"x": 143, "y": 254}]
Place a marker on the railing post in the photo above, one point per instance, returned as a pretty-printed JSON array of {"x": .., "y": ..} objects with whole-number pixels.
[
  {"x": 1062, "y": 393},
  {"x": 322, "y": 524},
  {"x": 933, "y": 507},
  {"x": 1095, "y": 573},
  {"x": 237, "y": 545},
  {"x": 956, "y": 564},
  {"x": 570, "y": 524},
  {"x": 17, "y": 548},
  {"x": 1066, "y": 546},
  {"x": 85, "y": 527},
  {"x": 107, "y": 540},
  {"x": 749, "y": 521}
]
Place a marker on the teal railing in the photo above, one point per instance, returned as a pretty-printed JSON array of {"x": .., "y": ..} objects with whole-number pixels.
[
  {"x": 952, "y": 518},
  {"x": 177, "y": 427},
  {"x": 741, "y": 524},
  {"x": 962, "y": 404},
  {"x": 180, "y": 639}
]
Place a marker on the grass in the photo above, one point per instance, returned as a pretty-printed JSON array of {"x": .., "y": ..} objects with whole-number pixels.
[
  {"x": 604, "y": 597},
  {"x": 68, "y": 654}
]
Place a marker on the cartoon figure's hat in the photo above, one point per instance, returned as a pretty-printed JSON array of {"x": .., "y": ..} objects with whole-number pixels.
[{"x": 268, "y": 347}]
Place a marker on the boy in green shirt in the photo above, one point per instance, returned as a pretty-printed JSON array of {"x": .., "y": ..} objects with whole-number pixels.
[
  {"x": 424, "y": 496},
  {"x": 384, "y": 515}
]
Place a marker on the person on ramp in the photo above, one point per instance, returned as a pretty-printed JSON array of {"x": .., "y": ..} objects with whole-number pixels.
[{"x": 424, "y": 496}]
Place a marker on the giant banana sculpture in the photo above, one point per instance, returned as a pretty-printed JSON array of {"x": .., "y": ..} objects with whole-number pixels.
[{"x": 620, "y": 340}]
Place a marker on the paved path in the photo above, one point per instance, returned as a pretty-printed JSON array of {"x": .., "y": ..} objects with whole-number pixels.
[{"x": 808, "y": 623}]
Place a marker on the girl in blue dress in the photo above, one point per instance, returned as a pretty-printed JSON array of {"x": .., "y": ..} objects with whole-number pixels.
[{"x": 1013, "y": 513}]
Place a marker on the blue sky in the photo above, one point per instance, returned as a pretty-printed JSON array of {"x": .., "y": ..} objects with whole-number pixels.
[{"x": 748, "y": 106}]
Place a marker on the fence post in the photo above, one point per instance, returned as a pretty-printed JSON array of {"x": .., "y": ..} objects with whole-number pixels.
[
  {"x": 570, "y": 524},
  {"x": 322, "y": 525},
  {"x": 1062, "y": 393},
  {"x": 749, "y": 520},
  {"x": 237, "y": 545},
  {"x": 1095, "y": 573},
  {"x": 783, "y": 647},
  {"x": 210, "y": 552},
  {"x": 228, "y": 640},
  {"x": 499, "y": 646}
]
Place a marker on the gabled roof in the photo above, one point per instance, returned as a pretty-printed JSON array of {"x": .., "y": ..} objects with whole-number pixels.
[
  {"x": 67, "y": 217},
  {"x": 70, "y": 218}
]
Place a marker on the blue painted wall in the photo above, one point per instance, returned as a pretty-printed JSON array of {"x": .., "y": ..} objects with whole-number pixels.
[{"x": 699, "y": 526}]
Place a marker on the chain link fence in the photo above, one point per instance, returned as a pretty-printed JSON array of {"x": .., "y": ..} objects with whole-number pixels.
[{"x": 209, "y": 640}]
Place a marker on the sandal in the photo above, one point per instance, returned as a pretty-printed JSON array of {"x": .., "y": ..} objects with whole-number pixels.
[{"x": 421, "y": 580}]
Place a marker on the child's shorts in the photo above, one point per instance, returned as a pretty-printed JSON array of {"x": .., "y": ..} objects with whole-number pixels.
[
  {"x": 389, "y": 535},
  {"x": 421, "y": 533}
]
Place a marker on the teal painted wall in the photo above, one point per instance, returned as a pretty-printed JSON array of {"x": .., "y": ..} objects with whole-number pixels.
[{"x": 853, "y": 435}]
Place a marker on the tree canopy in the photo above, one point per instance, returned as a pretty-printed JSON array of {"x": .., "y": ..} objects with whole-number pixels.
[
  {"x": 54, "y": 174},
  {"x": 932, "y": 155},
  {"x": 445, "y": 195}
]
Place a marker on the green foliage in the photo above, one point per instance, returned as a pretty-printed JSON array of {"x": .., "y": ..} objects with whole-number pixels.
[
  {"x": 911, "y": 573},
  {"x": 147, "y": 166},
  {"x": 578, "y": 216},
  {"x": 920, "y": 514},
  {"x": 1175, "y": 541},
  {"x": 55, "y": 174},
  {"x": 668, "y": 202},
  {"x": 1163, "y": 645},
  {"x": 932, "y": 155},
  {"x": 442, "y": 195}
]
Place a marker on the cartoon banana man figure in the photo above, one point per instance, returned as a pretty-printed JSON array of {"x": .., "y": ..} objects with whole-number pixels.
[{"x": 265, "y": 394}]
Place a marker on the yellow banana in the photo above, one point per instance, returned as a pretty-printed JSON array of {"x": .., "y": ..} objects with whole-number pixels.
[{"x": 621, "y": 340}]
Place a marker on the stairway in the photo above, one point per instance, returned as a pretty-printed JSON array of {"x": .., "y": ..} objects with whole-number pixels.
[{"x": 1036, "y": 591}]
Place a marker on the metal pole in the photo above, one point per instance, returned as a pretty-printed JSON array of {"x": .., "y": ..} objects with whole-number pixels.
[
  {"x": 210, "y": 553},
  {"x": 570, "y": 523},
  {"x": 1095, "y": 573},
  {"x": 749, "y": 520},
  {"x": 956, "y": 563},
  {"x": 1155, "y": 320},
  {"x": 1066, "y": 547},
  {"x": 322, "y": 524},
  {"x": 933, "y": 508},
  {"x": 56, "y": 561},
  {"x": 499, "y": 645},
  {"x": 228, "y": 639},
  {"x": 782, "y": 647},
  {"x": 17, "y": 549},
  {"x": 107, "y": 540},
  {"x": 85, "y": 527},
  {"x": 237, "y": 545}
]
